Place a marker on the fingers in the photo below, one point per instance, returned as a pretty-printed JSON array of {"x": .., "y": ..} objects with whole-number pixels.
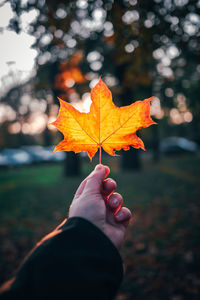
[
  {"x": 123, "y": 216},
  {"x": 115, "y": 201},
  {"x": 83, "y": 183},
  {"x": 108, "y": 187},
  {"x": 94, "y": 180}
]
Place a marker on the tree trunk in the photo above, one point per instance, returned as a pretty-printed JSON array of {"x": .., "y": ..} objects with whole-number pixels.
[
  {"x": 156, "y": 144},
  {"x": 131, "y": 160},
  {"x": 47, "y": 138},
  {"x": 72, "y": 166}
]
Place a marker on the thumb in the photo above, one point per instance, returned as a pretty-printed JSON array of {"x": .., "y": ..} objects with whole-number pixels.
[{"x": 96, "y": 178}]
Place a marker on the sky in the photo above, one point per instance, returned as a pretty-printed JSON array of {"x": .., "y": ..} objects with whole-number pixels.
[{"x": 16, "y": 55}]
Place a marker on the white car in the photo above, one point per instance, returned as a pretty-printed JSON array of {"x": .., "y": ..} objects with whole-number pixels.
[{"x": 173, "y": 145}]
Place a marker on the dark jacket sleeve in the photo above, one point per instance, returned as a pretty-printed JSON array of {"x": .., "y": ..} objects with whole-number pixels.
[{"x": 77, "y": 262}]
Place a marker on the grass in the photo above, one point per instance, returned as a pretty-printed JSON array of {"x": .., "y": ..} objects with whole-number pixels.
[{"x": 162, "y": 244}]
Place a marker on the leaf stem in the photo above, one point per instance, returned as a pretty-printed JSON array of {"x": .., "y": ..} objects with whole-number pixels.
[{"x": 100, "y": 154}]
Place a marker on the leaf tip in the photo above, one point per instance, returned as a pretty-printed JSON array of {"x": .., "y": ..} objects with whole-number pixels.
[
  {"x": 100, "y": 80},
  {"x": 52, "y": 123},
  {"x": 154, "y": 123},
  {"x": 101, "y": 83},
  {"x": 151, "y": 98},
  {"x": 55, "y": 150}
]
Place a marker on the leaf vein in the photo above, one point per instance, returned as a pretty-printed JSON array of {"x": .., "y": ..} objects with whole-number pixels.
[
  {"x": 117, "y": 128},
  {"x": 84, "y": 129}
]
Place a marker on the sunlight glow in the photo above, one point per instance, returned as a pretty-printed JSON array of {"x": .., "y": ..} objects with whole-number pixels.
[
  {"x": 6, "y": 14},
  {"x": 130, "y": 16},
  {"x": 188, "y": 117},
  {"x": 93, "y": 56},
  {"x": 14, "y": 128},
  {"x": 26, "y": 128},
  {"x": 169, "y": 92},
  {"x": 110, "y": 80},
  {"x": 180, "y": 114},
  {"x": 12, "y": 62},
  {"x": 12, "y": 47},
  {"x": 156, "y": 109},
  {"x": 61, "y": 13},
  {"x": 82, "y": 4},
  {"x": 99, "y": 13},
  {"x": 51, "y": 127},
  {"x": 96, "y": 65},
  {"x": 35, "y": 124},
  {"x": 86, "y": 102},
  {"x": 129, "y": 48},
  {"x": 28, "y": 17},
  {"x": 93, "y": 82},
  {"x": 175, "y": 116},
  {"x": 6, "y": 113},
  {"x": 38, "y": 123}
]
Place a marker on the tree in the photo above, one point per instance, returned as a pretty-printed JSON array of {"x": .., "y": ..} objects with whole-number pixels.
[{"x": 139, "y": 47}]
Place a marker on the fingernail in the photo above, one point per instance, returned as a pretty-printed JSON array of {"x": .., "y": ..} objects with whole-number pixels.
[
  {"x": 115, "y": 202},
  {"x": 120, "y": 215},
  {"x": 110, "y": 180},
  {"x": 98, "y": 167}
]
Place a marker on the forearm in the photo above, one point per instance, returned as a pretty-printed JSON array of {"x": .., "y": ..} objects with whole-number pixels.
[{"x": 79, "y": 262}]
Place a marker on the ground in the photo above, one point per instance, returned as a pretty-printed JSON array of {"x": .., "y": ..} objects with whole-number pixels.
[{"x": 162, "y": 248}]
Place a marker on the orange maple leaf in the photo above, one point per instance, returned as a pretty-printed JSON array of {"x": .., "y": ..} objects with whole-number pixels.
[{"x": 105, "y": 126}]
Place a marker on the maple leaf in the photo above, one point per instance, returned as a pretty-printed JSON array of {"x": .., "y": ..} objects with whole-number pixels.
[{"x": 105, "y": 126}]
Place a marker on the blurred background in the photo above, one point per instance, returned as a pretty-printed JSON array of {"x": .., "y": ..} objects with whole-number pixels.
[{"x": 51, "y": 49}]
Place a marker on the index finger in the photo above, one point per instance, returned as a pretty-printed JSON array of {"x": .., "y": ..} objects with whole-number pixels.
[
  {"x": 108, "y": 187},
  {"x": 83, "y": 183}
]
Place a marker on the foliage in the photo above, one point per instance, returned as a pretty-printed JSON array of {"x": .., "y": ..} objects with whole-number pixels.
[{"x": 139, "y": 44}]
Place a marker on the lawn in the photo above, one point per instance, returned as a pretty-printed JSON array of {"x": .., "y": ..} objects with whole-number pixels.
[{"x": 162, "y": 248}]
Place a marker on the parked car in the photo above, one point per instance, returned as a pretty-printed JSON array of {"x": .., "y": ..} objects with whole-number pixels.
[
  {"x": 29, "y": 154},
  {"x": 57, "y": 156},
  {"x": 4, "y": 160},
  {"x": 15, "y": 157},
  {"x": 44, "y": 154},
  {"x": 175, "y": 145}
]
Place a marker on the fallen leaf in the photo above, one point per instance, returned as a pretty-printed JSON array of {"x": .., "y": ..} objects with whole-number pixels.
[{"x": 106, "y": 125}]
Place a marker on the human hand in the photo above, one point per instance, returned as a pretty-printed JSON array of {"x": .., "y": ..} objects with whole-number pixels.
[{"x": 96, "y": 201}]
